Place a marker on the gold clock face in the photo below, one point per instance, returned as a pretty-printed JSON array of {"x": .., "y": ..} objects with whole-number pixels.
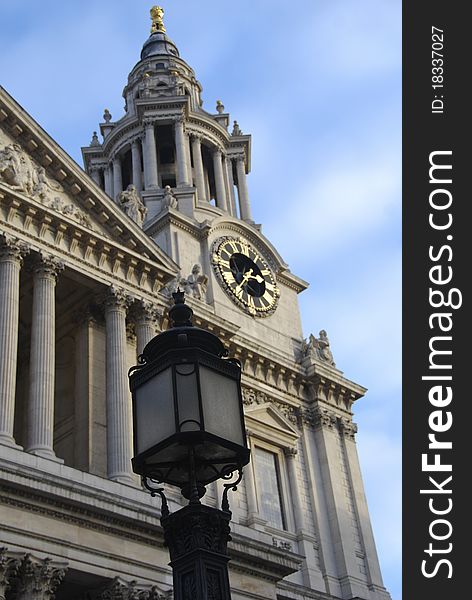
[{"x": 245, "y": 276}]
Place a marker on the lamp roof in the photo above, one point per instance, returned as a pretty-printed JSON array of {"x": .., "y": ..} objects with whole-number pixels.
[{"x": 182, "y": 334}]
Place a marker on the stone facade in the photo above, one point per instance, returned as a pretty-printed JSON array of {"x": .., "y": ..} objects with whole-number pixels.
[{"x": 87, "y": 265}]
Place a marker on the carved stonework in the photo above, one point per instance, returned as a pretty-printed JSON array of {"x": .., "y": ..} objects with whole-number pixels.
[
  {"x": 169, "y": 200},
  {"x": 9, "y": 565},
  {"x": 130, "y": 332},
  {"x": 17, "y": 169},
  {"x": 116, "y": 297},
  {"x": 123, "y": 590},
  {"x": 21, "y": 173},
  {"x": 282, "y": 544},
  {"x": 132, "y": 205},
  {"x": 38, "y": 579},
  {"x": 252, "y": 396},
  {"x": 144, "y": 312},
  {"x": 47, "y": 265},
  {"x": 317, "y": 348},
  {"x": 155, "y": 594},
  {"x": 12, "y": 249},
  {"x": 195, "y": 284},
  {"x": 236, "y": 129},
  {"x": 319, "y": 418},
  {"x": 149, "y": 122},
  {"x": 71, "y": 211},
  {"x": 348, "y": 428},
  {"x": 172, "y": 286},
  {"x": 290, "y": 452}
]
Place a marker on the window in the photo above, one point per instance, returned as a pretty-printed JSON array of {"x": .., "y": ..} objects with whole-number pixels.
[
  {"x": 268, "y": 486},
  {"x": 166, "y": 155}
]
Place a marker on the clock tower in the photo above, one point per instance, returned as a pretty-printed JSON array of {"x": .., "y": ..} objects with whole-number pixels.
[{"x": 188, "y": 167}]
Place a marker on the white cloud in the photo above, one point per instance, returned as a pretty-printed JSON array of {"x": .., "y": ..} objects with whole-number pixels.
[{"x": 336, "y": 207}]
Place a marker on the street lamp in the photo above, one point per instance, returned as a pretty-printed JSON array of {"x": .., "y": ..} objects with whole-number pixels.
[{"x": 189, "y": 430}]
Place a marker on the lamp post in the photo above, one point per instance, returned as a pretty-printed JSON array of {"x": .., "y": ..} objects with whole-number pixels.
[{"x": 189, "y": 430}]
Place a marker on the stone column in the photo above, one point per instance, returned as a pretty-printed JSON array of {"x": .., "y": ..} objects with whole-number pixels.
[
  {"x": 244, "y": 207},
  {"x": 40, "y": 429},
  {"x": 136, "y": 162},
  {"x": 346, "y": 541},
  {"x": 151, "y": 179},
  {"x": 207, "y": 186},
  {"x": 219, "y": 180},
  {"x": 188, "y": 158},
  {"x": 348, "y": 430},
  {"x": 319, "y": 506},
  {"x": 230, "y": 182},
  {"x": 95, "y": 174},
  {"x": 181, "y": 153},
  {"x": 108, "y": 181},
  {"x": 253, "y": 518},
  {"x": 291, "y": 457},
  {"x": 146, "y": 319},
  {"x": 39, "y": 579},
  {"x": 11, "y": 254},
  {"x": 198, "y": 167},
  {"x": 83, "y": 385},
  {"x": 117, "y": 177},
  {"x": 119, "y": 421}
]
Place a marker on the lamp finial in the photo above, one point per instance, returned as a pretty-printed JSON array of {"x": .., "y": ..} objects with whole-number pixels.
[{"x": 180, "y": 314}]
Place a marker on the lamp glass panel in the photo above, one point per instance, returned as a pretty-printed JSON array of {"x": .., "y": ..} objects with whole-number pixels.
[
  {"x": 187, "y": 397},
  {"x": 221, "y": 405},
  {"x": 155, "y": 415}
]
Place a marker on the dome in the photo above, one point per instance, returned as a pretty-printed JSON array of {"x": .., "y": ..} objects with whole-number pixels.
[{"x": 158, "y": 44}]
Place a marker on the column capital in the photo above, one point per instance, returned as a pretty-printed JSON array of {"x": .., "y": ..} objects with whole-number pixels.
[
  {"x": 290, "y": 452},
  {"x": 116, "y": 297},
  {"x": 147, "y": 312},
  {"x": 47, "y": 265},
  {"x": 348, "y": 428},
  {"x": 39, "y": 578},
  {"x": 148, "y": 122},
  {"x": 196, "y": 136},
  {"x": 238, "y": 156},
  {"x": 9, "y": 565},
  {"x": 179, "y": 119},
  {"x": 12, "y": 249}
]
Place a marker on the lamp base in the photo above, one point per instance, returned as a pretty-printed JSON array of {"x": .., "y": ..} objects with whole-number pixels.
[{"x": 197, "y": 537}]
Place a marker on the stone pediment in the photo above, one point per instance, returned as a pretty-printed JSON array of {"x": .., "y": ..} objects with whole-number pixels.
[
  {"x": 38, "y": 175},
  {"x": 267, "y": 421},
  {"x": 24, "y": 175}
]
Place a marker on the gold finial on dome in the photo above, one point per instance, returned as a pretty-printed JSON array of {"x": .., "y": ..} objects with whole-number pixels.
[{"x": 157, "y": 13}]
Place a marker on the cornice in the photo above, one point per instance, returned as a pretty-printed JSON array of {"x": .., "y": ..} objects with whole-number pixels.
[
  {"x": 41, "y": 229},
  {"x": 171, "y": 216},
  {"x": 292, "y": 281}
]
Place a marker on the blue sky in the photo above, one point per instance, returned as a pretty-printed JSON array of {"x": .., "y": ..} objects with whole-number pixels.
[{"x": 318, "y": 85}]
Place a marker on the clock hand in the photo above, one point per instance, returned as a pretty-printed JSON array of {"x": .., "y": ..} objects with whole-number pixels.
[
  {"x": 258, "y": 278},
  {"x": 247, "y": 275}
]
